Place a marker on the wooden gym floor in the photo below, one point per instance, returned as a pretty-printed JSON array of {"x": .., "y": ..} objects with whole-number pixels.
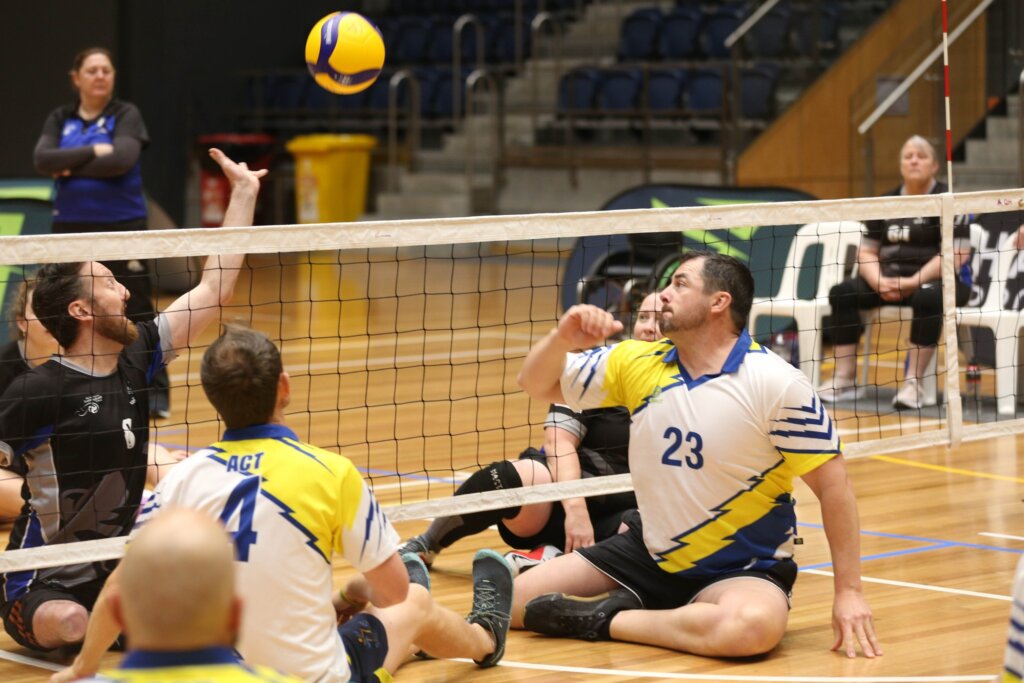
[{"x": 941, "y": 535}]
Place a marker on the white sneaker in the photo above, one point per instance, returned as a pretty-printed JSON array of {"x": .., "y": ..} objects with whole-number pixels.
[
  {"x": 521, "y": 560},
  {"x": 911, "y": 396},
  {"x": 839, "y": 389}
]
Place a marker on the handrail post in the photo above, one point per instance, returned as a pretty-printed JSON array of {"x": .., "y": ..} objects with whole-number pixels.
[
  {"x": 735, "y": 97},
  {"x": 413, "y": 133},
  {"x": 482, "y": 75},
  {"x": 457, "y": 57},
  {"x": 536, "y": 25},
  {"x": 749, "y": 23}
]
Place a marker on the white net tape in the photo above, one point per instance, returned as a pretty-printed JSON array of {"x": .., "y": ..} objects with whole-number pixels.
[{"x": 420, "y": 233}]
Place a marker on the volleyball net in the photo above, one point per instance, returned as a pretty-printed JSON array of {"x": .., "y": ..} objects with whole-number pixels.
[{"x": 403, "y": 338}]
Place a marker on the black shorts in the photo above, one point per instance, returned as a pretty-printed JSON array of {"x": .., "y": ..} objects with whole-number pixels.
[
  {"x": 625, "y": 558},
  {"x": 605, "y": 515},
  {"x": 18, "y": 614},
  {"x": 366, "y": 646}
]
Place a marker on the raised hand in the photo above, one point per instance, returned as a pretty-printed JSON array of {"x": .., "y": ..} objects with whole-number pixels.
[{"x": 584, "y": 326}]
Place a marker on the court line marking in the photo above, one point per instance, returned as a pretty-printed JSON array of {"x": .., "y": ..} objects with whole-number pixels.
[
  {"x": 633, "y": 673},
  {"x": 921, "y": 586},
  {"x": 30, "y": 661},
  {"x": 995, "y": 535},
  {"x": 892, "y": 427},
  {"x": 925, "y": 539},
  {"x": 944, "y": 468}
]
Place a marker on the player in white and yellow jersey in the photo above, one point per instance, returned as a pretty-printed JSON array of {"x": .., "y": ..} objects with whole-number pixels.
[
  {"x": 290, "y": 507},
  {"x": 176, "y": 602},
  {"x": 1013, "y": 659},
  {"x": 720, "y": 427}
]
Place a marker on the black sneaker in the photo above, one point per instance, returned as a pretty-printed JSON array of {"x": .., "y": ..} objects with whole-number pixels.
[
  {"x": 419, "y": 546},
  {"x": 566, "y": 616},
  {"x": 492, "y": 600}
]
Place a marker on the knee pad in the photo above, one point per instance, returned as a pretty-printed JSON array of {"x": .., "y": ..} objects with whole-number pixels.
[{"x": 494, "y": 477}]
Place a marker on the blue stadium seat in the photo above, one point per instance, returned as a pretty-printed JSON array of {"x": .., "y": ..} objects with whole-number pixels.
[
  {"x": 286, "y": 91},
  {"x": 619, "y": 91},
  {"x": 704, "y": 92},
  {"x": 679, "y": 34},
  {"x": 377, "y": 94},
  {"x": 769, "y": 37},
  {"x": 717, "y": 26},
  {"x": 577, "y": 90},
  {"x": 440, "y": 48},
  {"x": 828, "y": 34},
  {"x": 412, "y": 37},
  {"x": 503, "y": 41},
  {"x": 429, "y": 77},
  {"x": 318, "y": 98},
  {"x": 665, "y": 90},
  {"x": 441, "y": 99},
  {"x": 638, "y": 35},
  {"x": 757, "y": 93}
]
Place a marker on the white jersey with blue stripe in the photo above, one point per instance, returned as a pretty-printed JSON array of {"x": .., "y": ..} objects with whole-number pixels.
[
  {"x": 712, "y": 457},
  {"x": 1013, "y": 660},
  {"x": 289, "y": 506}
]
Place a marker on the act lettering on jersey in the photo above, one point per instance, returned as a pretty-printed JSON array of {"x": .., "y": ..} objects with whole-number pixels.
[{"x": 246, "y": 464}]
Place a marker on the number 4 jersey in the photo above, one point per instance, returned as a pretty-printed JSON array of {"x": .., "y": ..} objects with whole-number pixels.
[
  {"x": 713, "y": 457},
  {"x": 289, "y": 507}
]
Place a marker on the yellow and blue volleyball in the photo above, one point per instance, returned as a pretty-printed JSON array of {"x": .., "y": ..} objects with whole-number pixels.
[{"x": 345, "y": 53}]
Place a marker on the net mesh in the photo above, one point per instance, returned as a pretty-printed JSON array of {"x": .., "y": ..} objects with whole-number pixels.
[{"x": 403, "y": 339}]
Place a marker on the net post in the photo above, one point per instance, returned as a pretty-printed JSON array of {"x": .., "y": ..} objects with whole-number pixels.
[{"x": 954, "y": 408}]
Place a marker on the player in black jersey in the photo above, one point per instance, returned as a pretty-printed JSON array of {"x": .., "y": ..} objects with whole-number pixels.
[
  {"x": 77, "y": 426},
  {"x": 593, "y": 443},
  {"x": 33, "y": 345}
]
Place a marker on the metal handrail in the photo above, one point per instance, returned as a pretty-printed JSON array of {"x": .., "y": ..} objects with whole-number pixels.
[
  {"x": 536, "y": 25},
  {"x": 481, "y": 46},
  {"x": 868, "y": 123},
  {"x": 733, "y": 94},
  {"x": 743, "y": 28},
  {"x": 413, "y": 132},
  {"x": 482, "y": 75},
  {"x": 905, "y": 85}
]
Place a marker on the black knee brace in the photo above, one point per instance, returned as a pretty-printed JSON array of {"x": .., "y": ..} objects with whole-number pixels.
[{"x": 494, "y": 477}]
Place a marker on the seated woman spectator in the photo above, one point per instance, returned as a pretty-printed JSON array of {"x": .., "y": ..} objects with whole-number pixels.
[{"x": 898, "y": 265}]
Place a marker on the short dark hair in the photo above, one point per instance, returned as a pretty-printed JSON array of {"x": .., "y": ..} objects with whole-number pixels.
[
  {"x": 722, "y": 273},
  {"x": 57, "y": 285},
  {"x": 80, "y": 58},
  {"x": 239, "y": 373}
]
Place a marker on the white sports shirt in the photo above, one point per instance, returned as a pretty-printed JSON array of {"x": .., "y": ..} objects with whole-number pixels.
[
  {"x": 713, "y": 457},
  {"x": 289, "y": 507}
]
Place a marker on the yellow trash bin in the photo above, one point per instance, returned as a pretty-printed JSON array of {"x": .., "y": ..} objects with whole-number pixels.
[{"x": 331, "y": 174}]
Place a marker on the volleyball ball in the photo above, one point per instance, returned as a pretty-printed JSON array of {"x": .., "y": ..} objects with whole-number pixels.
[{"x": 345, "y": 53}]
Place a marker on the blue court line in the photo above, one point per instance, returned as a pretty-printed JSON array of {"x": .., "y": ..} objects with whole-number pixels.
[
  {"x": 934, "y": 541},
  {"x": 421, "y": 477},
  {"x": 880, "y": 556}
]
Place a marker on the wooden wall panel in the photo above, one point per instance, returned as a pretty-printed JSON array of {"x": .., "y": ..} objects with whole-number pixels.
[{"x": 813, "y": 146}]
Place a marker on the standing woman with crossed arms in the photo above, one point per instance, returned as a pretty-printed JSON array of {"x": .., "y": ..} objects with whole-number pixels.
[{"x": 92, "y": 148}]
